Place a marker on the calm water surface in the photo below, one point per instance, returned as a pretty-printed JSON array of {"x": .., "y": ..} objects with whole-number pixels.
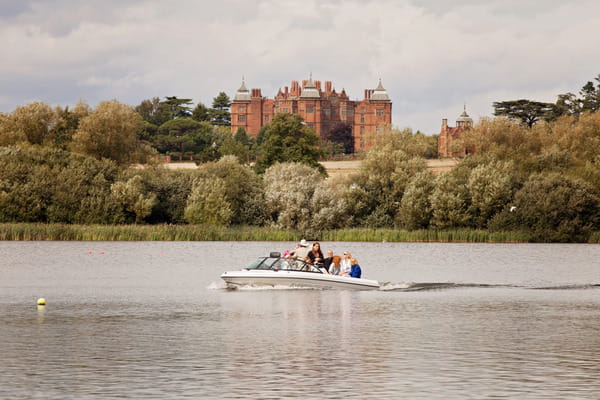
[{"x": 151, "y": 320}]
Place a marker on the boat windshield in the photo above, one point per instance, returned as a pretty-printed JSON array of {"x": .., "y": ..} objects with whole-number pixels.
[{"x": 277, "y": 263}]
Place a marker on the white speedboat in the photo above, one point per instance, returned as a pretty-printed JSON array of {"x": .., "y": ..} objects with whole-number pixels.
[{"x": 289, "y": 272}]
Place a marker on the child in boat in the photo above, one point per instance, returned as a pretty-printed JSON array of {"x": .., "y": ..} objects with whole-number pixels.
[{"x": 355, "y": 271}]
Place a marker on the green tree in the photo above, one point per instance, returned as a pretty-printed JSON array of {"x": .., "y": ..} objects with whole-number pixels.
[
  {"x": 172, "y": 188},
  {"x": 67, "y": 123},
  {"x": 181, "y": 135},
  {"x": 380, "y": 183},
  {"x": 553, "y": 208},
  {"x": 230, "y": 146},
  {"x": 527, "y": 112},
  {"x": 110, "y": 131},
  {"x": 505, "y": 139},
  {"x": 34, "y": 122},
  {"x": 567, "y": 104},
  {"x": 287, "y": 139},
  {"x": 590, "y": 96},
  {"x": 491, "y": 187},
  {"x": 8, "y": 134},
  {"x": 200, "y": 113},
  {"x": 208, "y": 203},
  {"x": 413, "y": 144},
  {"x": 241, "y": 136},
  {"x": 341, "y": 133},
  {"x": 219, "y": 113},
  {"x": 297, "y": 198},
  {"x": 46, "y": 184},
  {"x": 178, "y": 108},
  {"x": 243, "y": 189},
  {"x": 136, "y": 203},
  {"x": 450, "y": 202},
  {"x": 415, "y": 208},
  {"x": 154, "y": 111}
]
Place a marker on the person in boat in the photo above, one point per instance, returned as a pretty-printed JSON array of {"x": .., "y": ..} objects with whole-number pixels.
[
  {"x": 355, "y": 271},
  {"x": 301, "y": 251},
  {"x": 328, "y": 260},
  {"x": 316, "y": 255},
  {"x": 346, "y": 264},
  {"x": 334, "y": 267}
]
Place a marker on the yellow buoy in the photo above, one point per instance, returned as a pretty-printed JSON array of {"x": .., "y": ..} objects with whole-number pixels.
[{"x": 41, "y": 302}]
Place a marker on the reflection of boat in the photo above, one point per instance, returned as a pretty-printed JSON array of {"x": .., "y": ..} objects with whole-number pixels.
[{"x": 279, "y": 271}]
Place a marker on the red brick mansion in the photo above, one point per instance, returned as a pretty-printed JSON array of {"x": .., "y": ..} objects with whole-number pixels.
[{"x": 320, "y": 107}]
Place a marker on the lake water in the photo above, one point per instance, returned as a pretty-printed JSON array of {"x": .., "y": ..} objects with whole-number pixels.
[{"x": 152, "y": 320}]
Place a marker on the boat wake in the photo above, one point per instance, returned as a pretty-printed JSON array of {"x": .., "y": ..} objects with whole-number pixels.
[
  {"x": 412, "y": 287},
  {"x": 434, "y": 286}
]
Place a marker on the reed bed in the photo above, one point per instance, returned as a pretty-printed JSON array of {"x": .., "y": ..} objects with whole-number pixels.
[
  {"x": 430, "y": 235},
  {"x": 38, "y": 231}
]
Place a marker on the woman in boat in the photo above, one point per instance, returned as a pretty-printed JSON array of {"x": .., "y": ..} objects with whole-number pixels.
[
  {"x": 334, "y": 267},
  {"x": 355, "y": 271},
  {"x": 316, "y": 255},
  {"x": 346, "y": 264}
]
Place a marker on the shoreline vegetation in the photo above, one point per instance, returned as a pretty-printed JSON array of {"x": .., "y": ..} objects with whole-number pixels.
[{"x": 70, "y": 232}]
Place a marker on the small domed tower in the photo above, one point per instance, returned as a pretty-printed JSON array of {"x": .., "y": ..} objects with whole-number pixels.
[
  {"x": 242, "y": 94},
  {"x": 380, "y": 94},
  {"x": 464, "y": 119}
]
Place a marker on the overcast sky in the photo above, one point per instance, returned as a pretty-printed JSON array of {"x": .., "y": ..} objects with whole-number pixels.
[{"x": 431, "y": 55}]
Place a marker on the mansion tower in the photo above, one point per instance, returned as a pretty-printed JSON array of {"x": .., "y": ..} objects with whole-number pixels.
[{"x": 321, "y": 108}]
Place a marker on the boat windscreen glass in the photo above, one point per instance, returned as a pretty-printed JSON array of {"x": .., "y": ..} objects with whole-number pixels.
[
  {"x": 256, "y": 264},
  {"x": 268, "y": 263}
]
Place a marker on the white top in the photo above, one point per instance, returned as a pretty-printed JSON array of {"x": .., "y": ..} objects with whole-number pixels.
[{"x": 345, "y": 267}]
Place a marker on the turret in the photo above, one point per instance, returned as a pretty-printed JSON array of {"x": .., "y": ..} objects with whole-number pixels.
[{"x": 242, "y": 93}]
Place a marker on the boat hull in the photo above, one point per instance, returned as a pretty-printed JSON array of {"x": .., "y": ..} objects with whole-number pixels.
[{"x": 296, "y": 279}]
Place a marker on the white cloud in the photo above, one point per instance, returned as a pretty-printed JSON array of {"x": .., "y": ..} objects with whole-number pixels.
[{"x": 432, "y": 56}]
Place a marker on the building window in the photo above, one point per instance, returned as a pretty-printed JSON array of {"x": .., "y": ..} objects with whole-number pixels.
[
  {"x": 380, "y": 112},
  {"x": 362, "y": 130},
  {"x": 363, "y": 109},
  {"x": 241, "y": 117},
  {"x": 266, "y": 118},
  {"x": 310, "y": 109},
  {"x": 242, "y": 109},
  {"x": 379, "y": 129},
  {"x": 362, "y": 119}
]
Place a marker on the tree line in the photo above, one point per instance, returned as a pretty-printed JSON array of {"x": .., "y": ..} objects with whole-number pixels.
[
  {"x": 79, "y": 166},
  {"x": 530, "y": 111}
]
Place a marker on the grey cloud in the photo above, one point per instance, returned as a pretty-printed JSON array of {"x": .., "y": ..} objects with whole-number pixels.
[{"x": 431, "y": 55}]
